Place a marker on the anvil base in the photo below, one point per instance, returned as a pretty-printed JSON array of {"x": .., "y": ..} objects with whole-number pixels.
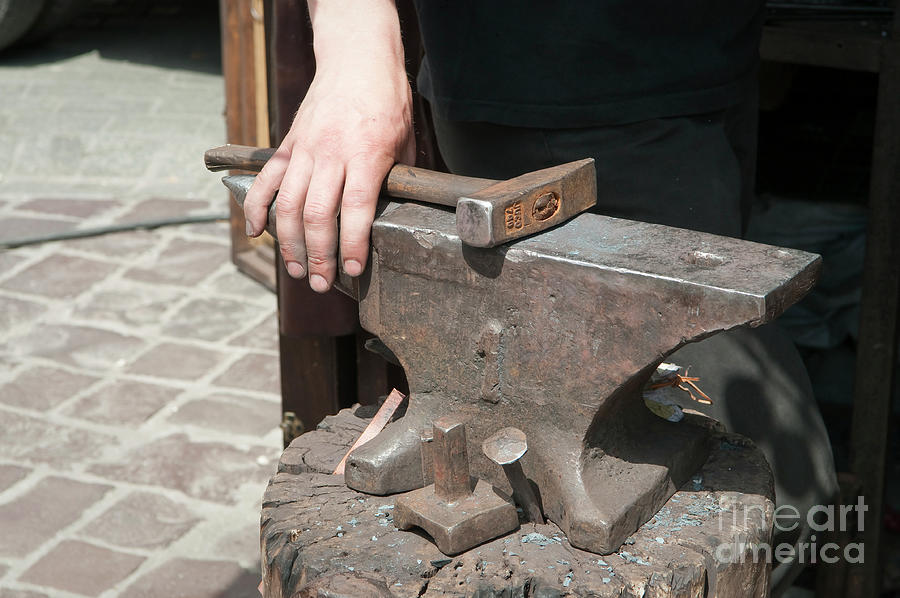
[{"x": 457, "y": 527}]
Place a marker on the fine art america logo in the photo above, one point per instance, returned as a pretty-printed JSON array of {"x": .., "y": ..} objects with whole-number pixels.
[{"x": 820, "y": 519}]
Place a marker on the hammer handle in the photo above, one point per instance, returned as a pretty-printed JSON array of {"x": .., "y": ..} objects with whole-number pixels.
[{"x": 403, "y": 182}]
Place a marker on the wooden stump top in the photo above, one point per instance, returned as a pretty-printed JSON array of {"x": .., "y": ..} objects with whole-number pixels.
[{"x": 320, "y": 538}]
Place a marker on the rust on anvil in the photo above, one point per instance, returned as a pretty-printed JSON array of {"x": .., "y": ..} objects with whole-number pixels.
[
  {"x": 456, "y": 515},
  {"x": 556, "y": 335}
]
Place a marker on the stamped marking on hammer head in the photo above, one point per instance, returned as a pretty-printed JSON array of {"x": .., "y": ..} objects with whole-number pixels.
[{"x": 526, "y": 204}]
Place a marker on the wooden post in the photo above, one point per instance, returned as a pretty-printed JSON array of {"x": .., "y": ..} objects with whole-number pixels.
[
  {"x": 246, "y": 117},
  {"x": 877, "y": 348},
  {"x": 260, "y": 80}
]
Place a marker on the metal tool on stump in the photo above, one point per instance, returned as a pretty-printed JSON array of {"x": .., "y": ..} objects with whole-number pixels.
[
  {"x": 455, "y": 514},
  {"x": 488, "y": 212},
  {"x": 505, "y": 448},
  {"x": 556, "y": 335}
]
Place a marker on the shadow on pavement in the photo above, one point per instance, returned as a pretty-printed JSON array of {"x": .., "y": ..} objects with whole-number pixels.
[{"x": 172, "y": 34}]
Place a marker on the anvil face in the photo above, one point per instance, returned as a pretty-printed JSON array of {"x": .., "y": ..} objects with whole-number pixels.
[{"x": 556, "y": 335}]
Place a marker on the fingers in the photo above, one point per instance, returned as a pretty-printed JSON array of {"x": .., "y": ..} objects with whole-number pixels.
[
  {"x": 256, "y": 204},
  {"x": 320, "y": 223},
  {"x": 289, "y": 214},
  {"x": 360, "y": 197}
]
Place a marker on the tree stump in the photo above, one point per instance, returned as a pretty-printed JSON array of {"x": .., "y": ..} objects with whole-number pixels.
[{"x": 320, "y": 538}]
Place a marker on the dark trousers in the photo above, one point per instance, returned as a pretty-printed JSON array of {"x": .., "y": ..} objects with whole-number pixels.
[{"x": 695, "y": 172}]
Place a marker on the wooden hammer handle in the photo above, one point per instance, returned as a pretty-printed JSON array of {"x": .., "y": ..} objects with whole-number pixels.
[
  {"x": 237, "y": 157},
  {"x": 404, "y": 182}
]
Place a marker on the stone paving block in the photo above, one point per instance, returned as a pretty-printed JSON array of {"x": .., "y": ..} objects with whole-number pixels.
[
  {"x": 189, "y": 578},
  {"x": 56, "y": 151},
  {"x": 181, "y": 185},
  {"x": 142, "y": 520},
  {"x": 80, "y": 346},
  {"x": 75, "y": 122},
  {"x": 11, "y": 593},
  {"x": 77, "y": 208},
  {"x": 25, "y": 113},
  {"x": 184, "y": 101},
  {"x": 184, "y": 159},
  {"x": 170, "y": 123},
  {"x": 10, "y": 475},
  {"x": 52, "y": 505},
  {"x": 9, "y": 260},
  {"x": 12, "y": 90},
  {"x": 7, "y": 365},
  {"x": 41, "y": 388},
  {"x": 122, "y": 246},
  {"x": 105, "y": 105},
  {"x": 122, "y": 403},
  {"x": 183, "y": 262},
  {"x": 60, "y": 276},
  {"x": 157, "y": 209},
  {"x": 15, "y": 312},
  {"x": 255, "y": 371},
  {"x": 35, "y": 440},
  {"x": 212, "y": 471},
  {"x": 16, "y": 187},
  {"x": 211, "y": 319},
  {"x": 241, "y": 544},
  {"x": 116, "y": 155},
  {"x": 263, "y": 336},
  {"x": 241, "y": 415},
  {"x": 128, "y": 304},
  {"x": 239, "y": 284},
  {"x": 181, "y": 362},
  {"x": 8, "y": 142},
  {"x": 15, "y": 228},
  {"x": 213, "y": 232},
  {"x": 82, "y": 568}
]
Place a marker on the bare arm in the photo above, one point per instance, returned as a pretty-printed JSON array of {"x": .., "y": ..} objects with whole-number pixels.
[{"x": 353, "y": 125}]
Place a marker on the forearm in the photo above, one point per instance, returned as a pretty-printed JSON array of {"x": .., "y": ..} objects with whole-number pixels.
[{"x": 347, "y": 33}]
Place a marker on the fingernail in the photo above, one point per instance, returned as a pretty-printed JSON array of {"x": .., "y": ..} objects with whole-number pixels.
[
  {"x": 295, "y": 269},
  {"x": 318, "y": 283},
  {"x": 249, "y": 228},
  {"x": 352, "y": 267}
]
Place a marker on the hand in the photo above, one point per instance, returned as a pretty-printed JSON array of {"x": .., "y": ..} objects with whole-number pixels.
[{"x": 353, "y": 125}]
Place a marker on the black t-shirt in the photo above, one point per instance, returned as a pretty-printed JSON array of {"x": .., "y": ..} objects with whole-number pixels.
[{"x": 585, "y": 63}]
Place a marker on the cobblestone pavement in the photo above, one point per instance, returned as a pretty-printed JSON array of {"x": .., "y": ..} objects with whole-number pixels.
[{"x": 138, "y": 370}]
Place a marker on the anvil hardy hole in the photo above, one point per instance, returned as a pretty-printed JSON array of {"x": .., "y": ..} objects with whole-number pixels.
[{"x": 704, "y": 259}]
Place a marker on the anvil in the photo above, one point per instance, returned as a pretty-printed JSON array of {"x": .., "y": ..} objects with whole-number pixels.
[{"x": 556, "y": 335}]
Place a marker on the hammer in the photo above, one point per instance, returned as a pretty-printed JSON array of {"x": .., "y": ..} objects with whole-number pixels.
[{"x": 488, "y": 212}]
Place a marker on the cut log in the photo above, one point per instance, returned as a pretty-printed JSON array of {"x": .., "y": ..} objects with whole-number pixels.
[{"x": 320, "y": 538}]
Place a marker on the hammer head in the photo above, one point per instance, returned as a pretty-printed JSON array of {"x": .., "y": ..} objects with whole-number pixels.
[{"x": 526, "y": 204}]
